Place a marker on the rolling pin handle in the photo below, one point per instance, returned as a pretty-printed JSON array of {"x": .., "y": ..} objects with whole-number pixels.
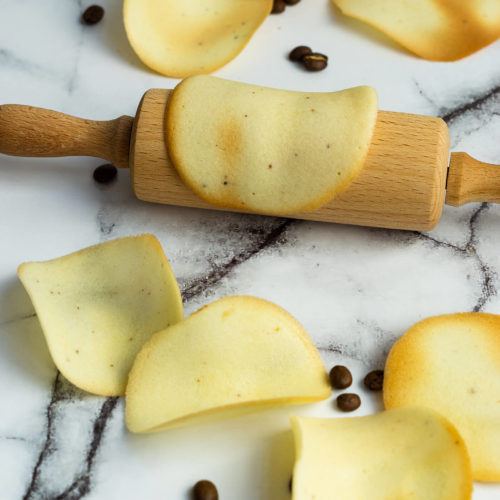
[
  {"x": 37, "y": 132},
  {"x": 470, "y": 180}
]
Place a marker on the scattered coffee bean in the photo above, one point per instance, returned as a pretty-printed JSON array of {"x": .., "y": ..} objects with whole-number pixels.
[
  {"x": 374, "y": 381},
  {"x": 348, "y": 402},
  {"x": 93, "y": 14},
  {"x": 319, "y": 54},
  {"x": 105, "y": 173},
  {"x": 315, "y": 61},
  {"x": 299, "y": 52},
  {"x": 340, "y": 377},
  {"x": 279, "y": 6},
  {"x": 205, "y": 490},
  {"x": 292, "y": 2}
]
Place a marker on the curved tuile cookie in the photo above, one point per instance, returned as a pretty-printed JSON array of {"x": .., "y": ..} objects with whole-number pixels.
[
  {"x": 452, "y": 363},
  {"x": 409, "y": 453},
  {"x": 439, "y": 30},
  {"x": 258, "y": 149},
  {"x": 183, "y": 38},
  {"x": 98, "y": 306},
  {"x": 235, "y": 355}
]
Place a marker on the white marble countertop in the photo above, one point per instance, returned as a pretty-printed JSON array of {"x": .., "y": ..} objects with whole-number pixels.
[{"x": 354, "y": 289}]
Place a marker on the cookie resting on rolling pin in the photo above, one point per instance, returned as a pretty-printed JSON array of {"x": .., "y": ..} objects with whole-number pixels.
[{"x": 393, "y": 166}]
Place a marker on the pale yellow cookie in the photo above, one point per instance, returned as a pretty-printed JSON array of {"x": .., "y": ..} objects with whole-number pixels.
[
  {"x": 265, "y": 150},
  {"x": 439, "y": 30},
  {"x": 232, "y": 356},
  {"x": 404, "y": 454},
  {"x": 451, "y": 363},
  {"x": 98, "y": 306},
  {"x": 179, "y": 38}
]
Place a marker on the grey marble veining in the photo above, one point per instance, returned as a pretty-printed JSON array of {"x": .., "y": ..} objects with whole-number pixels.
[{"x": 355, "y": 290}]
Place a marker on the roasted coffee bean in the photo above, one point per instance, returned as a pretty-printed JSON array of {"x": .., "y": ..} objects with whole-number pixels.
[
  {"x": 374, "y": 381},
  {"x": 105, "y": 173},
  {"x": 348, "y": 402},
  {"x": 315, "y": 61},
  {"x": 318, "y": 54},
  {"x": 205, "y": 490},
  {"x": 292, "y": 2},
  {"x": 299, "y": 52},
  {"x": 279, "y": 6},
  {"x": 93, "y": 14},
  {"x": 340, "y": 377}
]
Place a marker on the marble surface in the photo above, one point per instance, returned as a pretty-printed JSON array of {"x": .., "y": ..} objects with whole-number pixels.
[{"x": 354, "y": 289}]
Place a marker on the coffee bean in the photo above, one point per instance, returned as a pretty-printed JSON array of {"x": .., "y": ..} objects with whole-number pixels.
[
  {"x": 348, "y": 402},
  {"x": 299, "y": 52},
  {"x": 374, "y": 381},
  {"x": 205, "y": 490},
  {"x": 340, "y": 377},
  {"x": 292, "y": 2},
  {"x": 105, "y": 173},
  {"x": 315, "y": 61},
  {"x": 93, "y": 14},
  {"x": 279, "y": 6}
]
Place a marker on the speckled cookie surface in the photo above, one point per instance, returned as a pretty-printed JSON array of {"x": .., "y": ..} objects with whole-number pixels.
[
  {"x": 98, "y": 306},
  {"x": 439, "y": 30},
  {"x": 451, "y": 363},
  {"x": 404, "y": 454},
  {"x": 233, "y": 355},
  {"x": 253, "y": 148},
  {"x": 190, "y": 37}
]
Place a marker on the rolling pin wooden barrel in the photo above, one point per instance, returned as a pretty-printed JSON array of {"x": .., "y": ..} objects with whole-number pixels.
[{"x": 402, "y": 184}]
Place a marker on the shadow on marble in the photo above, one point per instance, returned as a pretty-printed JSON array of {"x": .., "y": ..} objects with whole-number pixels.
[
  {"x": 15, "y": 304},
  {"x": 21, "y": 337},
  {"x": 279, "y": 467},
  {"x": 115, "y": 35},
  {"x": 33, "y": 180},
  {"x": 262, "y": 440},
  {"x": 52, "y": 171}
]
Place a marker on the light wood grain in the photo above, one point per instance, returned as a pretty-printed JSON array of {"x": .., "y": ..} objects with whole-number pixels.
[
  {"x": 470, "y": 180},
  {"x": 401, "y": 186},
  {"x": 30, "y": 131}
]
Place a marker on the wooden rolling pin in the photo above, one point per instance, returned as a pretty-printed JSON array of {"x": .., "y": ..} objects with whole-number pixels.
[{"x": 401, "y": 186}]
